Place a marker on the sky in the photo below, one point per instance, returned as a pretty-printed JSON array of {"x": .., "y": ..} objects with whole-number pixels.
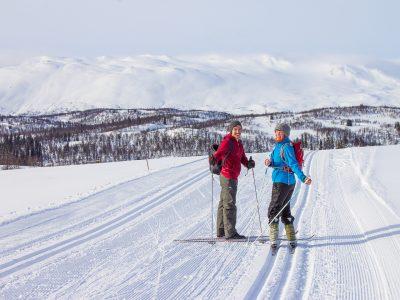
[{"x": 76, "y": 28}]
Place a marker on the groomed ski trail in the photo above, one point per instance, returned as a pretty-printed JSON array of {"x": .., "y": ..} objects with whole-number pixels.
[
  {"x": 272, "y": 277},
  {"x": 357, "y": 241},
  {"x": 119, "y": 243}
]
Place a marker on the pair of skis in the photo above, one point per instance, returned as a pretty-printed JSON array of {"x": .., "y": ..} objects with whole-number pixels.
[
  {"x": 250, "y": 239},
  {"x": 292, "y": 248}
]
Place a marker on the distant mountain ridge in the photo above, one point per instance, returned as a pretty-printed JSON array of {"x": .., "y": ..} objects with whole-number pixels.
[{"x": 235, "y": 84}]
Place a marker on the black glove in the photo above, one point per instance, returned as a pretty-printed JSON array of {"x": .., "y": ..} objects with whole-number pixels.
[
  {"x": 251, "y": 163},
  {"x": 211, "y": 159}
]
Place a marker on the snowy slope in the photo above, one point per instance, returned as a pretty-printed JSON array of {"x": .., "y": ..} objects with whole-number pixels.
[
  {"x": 238, "y": 84},
  {"x": 118, "y": 243},
  {"x": 29, "y": 190}
]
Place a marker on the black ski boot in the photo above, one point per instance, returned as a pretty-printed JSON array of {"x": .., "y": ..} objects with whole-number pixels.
[
  {"x": 274, "y": 249},
  {"x": 292, "y": 246},
  {"x": 236, "y": 236}
]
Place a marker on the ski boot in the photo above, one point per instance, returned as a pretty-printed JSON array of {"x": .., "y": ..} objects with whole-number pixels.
[
  {"x": 291, "y": 236},
  {"x": 273, "y": 237}
]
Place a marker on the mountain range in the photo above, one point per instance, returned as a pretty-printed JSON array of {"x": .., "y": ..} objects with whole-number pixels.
[{"x": 231, "y": 83}]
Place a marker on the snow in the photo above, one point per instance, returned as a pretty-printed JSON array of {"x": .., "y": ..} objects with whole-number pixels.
[
  {"x": 30, "y": 190},
  {"x": 118, "y": 242},
  {"x": 236, "y": 83},
  {"x": 379, "y": 173}
]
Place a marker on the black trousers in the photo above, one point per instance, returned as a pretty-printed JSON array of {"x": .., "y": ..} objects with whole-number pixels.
[{"x": 281, "y": 194}]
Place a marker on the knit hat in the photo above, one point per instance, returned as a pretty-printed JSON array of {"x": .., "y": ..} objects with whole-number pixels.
[
  {"x": 234, "y": 124},
  {"x": 283, "y": 127}
]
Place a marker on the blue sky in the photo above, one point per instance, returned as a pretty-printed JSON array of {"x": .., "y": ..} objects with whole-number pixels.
[{"x": 174, "y": 27}]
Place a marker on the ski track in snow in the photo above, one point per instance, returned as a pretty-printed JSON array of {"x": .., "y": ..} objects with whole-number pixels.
[
  {"x": 119, "y": 243},
  {"x": 272, "y": 278}
]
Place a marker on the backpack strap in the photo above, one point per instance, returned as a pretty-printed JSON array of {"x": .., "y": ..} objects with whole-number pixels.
[
  {"x": 282, "y": 155},
  {"x": 282, "y": 151}
]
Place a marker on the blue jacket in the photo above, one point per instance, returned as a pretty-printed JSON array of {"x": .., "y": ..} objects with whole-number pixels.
[{"x": 279, "y": 175}]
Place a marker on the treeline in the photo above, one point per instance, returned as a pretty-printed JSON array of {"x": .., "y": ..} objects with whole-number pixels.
[
  {"x": 89, "y": 148},
  {"x": 20, "y": 150},
  {"x": 107, "y": 147},
  {"x": 104, "y": 136}
]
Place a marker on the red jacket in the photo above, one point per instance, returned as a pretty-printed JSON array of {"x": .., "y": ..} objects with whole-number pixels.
[{"x": 231, "y": 166}]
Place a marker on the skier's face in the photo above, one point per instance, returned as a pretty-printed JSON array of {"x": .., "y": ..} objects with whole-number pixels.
[
  {"x": 279, "y": 135},
  {"x": 237, "y": 131}
]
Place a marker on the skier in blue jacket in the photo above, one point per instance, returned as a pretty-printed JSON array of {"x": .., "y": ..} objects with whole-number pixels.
[{"x": 285, "y": 165}]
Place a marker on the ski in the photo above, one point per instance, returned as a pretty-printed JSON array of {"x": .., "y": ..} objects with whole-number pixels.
[
  {"x": 274, "y": 250},
  {"x": 292, "y": 248},
  {"x": 221, "y": 240},
  {"x": 249, "y": 239}
]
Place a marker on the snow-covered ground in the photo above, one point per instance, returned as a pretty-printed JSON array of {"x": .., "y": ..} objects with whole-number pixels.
[
  {"x": 118, "y": 243},
  {"x": 29, "y": 190}
]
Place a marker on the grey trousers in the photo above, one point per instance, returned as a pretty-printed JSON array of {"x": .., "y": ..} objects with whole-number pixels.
[{"x": 226, "y": 216}]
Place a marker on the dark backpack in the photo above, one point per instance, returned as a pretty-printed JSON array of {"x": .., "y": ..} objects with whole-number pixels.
[
  {"x": 216, "y": 166},
  {"x": 298, "y": 152}
]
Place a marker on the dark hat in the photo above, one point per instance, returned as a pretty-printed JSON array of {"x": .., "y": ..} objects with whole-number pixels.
[
  {"x": 234, "y": 124},
  {"x": 283, "y": 127}
]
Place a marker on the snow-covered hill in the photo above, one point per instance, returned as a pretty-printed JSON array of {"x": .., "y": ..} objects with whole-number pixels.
[
  {"x": 238, "y": 84},
  {"x": 118, "y": 243}
]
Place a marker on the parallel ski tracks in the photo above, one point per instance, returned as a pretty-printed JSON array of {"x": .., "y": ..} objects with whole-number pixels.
[
  {"x": 276, "y": 271},
  {"x": 357, "y": 238},
  {"x": 362, "y": 283},
  {"x": 206, "y": 277},
  {"x": 113, "y": 205},
  {"x": 16, "y": 264},
  {"x": 345, "y": 253},
  {"x": 369, "y": 256},
  {"x": 289, "y": 285},
  {"x": 381, "y": 254}
]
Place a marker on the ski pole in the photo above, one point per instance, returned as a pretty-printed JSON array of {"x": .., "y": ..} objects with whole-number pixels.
[
  {"x": 212, "y": 204},
  {"x": 265, "y": 181},
  {"x": 258, "y": 206},
  {"x": 279, "y": 213}
]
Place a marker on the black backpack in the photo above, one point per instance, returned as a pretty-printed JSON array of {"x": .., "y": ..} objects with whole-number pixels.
[{"x": 216, "y": 166}]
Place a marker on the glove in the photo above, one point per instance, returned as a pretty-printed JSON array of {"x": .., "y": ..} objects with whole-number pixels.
[
  {"x": 211, "y": 159},
  {"x": 251, "y": 164}
]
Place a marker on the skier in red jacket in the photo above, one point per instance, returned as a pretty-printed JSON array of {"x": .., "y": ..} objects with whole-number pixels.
[{"x": 231, "y": 153}]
